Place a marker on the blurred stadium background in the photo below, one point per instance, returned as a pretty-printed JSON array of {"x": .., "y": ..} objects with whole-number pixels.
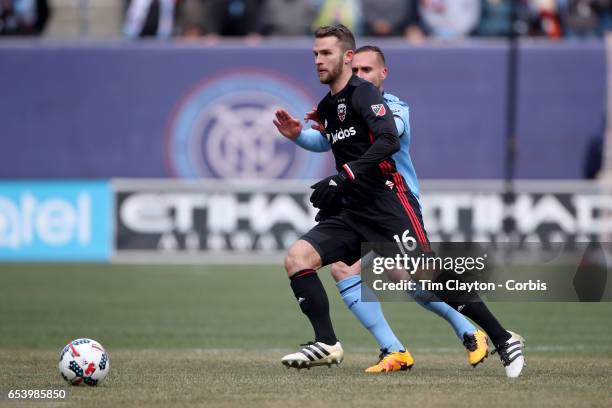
[{"x": 146, "y": 199}]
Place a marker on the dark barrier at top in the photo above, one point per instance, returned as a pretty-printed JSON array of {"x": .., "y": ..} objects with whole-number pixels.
[{"x": 151, "y": 110}]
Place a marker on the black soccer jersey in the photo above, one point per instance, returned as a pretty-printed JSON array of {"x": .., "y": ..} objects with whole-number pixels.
[{"x": 361, "y": 130}]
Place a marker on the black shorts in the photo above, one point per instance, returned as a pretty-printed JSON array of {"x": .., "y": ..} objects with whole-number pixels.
[{"x": 394, "y": 217}]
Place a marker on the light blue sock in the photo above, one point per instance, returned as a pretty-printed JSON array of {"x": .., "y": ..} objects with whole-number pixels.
[
  {"x": 460, "y": 324},
  {"x": 369, "y": 314}
]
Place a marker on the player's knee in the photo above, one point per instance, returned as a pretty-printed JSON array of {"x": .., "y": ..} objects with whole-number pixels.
[
  {"x": 292, "y": 259},
  {"x": 301, "y": 256},
  {"x": 340, "y": 271},
  {"x": 397, "y": 275}
]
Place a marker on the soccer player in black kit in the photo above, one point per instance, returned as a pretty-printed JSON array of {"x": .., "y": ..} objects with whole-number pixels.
[
  {"x": 367, "y": 201},
  {"x": 376, "y": 204}
]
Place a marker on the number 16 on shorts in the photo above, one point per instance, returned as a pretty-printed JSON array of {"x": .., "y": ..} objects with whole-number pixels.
[{"x": 406, "y": 243}]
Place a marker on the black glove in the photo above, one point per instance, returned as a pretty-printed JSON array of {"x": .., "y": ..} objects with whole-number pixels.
[
  {"x": 328, "y": 190},
  {"x": 332, "y": 209}
]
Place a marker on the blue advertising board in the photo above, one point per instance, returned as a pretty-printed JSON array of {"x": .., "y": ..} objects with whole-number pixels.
[{"x": 55, "y": 221}]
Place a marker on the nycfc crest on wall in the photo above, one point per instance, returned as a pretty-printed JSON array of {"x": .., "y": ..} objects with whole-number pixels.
[{"x": 223, "y": 129}]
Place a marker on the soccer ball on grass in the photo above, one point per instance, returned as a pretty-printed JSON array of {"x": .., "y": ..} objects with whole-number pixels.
[{"x": 84, "y": 361}]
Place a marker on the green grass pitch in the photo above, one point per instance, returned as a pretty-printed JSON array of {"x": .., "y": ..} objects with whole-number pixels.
[{"x": 213, "y": 336}]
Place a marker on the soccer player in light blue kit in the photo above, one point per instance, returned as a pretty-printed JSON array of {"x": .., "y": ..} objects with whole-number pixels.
[{"x": 369, "y": 64}]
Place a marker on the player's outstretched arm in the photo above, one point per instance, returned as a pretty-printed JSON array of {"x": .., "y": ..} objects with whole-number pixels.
[
  {"x": 313, "y": 140},
  {"x": 309, "y": 139},
  {"x": 286, "y": 124}
]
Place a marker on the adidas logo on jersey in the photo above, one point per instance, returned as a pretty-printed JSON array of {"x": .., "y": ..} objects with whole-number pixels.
[{"x": 341, "y": 134}]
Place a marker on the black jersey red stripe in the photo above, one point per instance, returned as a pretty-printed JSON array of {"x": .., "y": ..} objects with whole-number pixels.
[
  {"x": 361, "y": 139},
  {"x": 402, "y": 188},
  {"x": 386, "y": 168}
]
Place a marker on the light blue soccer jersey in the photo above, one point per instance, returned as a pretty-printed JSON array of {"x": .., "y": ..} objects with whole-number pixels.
[
  {"x": 312, "y": 140},
  {"x": 403, "y": 161}
]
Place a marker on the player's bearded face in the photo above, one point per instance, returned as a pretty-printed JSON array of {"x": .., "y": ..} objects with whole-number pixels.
[
  {"x": 333, "y": 72},
  {"x": 329, "y": 59}
]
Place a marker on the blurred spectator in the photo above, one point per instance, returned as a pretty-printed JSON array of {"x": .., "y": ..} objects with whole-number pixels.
[
  {"x": 544, "y": 18},
  {"x": 392, "y": 18},
  {"x": 584, "y": 18},
  {"x": 23, "y": 17},
  {"x": 495, "y": 20},
  {"x": 605, "y": 16},
  {"x": 232, "y": 17},
  {"x": 497, "y": 15},
  {"x": 191, "y": 18},
  {"x": 149, "y": 18},
  {"x": 288, "y": 17},
  {"x": 450, "y": 18},
  {"x": 347, "y": 12}
]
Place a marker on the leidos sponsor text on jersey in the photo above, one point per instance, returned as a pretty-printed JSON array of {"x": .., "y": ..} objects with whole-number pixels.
[{"x": 341, "y": 134}]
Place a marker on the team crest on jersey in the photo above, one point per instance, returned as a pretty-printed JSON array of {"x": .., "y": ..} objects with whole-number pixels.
[
  {"x": 389, "y": 184},
  {"x": 379, "y": 109},
  {"x": 341, "y": 112}
]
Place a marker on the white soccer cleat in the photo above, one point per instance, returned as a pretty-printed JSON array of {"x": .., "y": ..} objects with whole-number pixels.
[
  {"x": 517, "y": 337},
  {"x": 313, "y": 355},
  {"x": 511, "y": 355}
]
